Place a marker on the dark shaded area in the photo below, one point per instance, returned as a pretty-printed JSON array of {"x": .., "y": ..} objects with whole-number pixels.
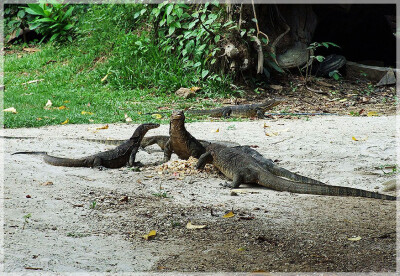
[{"x": 363, "y": 31}]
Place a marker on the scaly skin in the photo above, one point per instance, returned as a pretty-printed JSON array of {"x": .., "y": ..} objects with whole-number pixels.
[
  {"x": 243, "y": 111},
  {"x": 242, "y": 168},
  {"x": 120, "y": 156},
  {"x": 180, "y": 141},
  {"x": 276, "y": 170}
]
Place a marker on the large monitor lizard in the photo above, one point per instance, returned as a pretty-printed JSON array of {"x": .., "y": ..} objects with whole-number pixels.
[
  {"x": 118, "y": 157},
  {"x": 275, "y": 169},
  {"x": 243, "y": 110},
  {"x": 242, "y": 168},
  {"x": 180, "y": 141}
]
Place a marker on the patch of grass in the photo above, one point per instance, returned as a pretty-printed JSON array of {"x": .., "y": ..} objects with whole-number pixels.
[
  {"x": 93, "y": 205},
  {"x": 77, "y": 235},
  {"x": 99, "y": 78},
  {"x": 72, "y": 78}
]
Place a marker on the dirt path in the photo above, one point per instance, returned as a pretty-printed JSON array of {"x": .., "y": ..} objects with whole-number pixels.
[{"x": 50, "y": 224}]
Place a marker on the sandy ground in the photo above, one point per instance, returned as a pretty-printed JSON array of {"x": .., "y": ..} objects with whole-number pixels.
[{"x": 50, "y": 224}]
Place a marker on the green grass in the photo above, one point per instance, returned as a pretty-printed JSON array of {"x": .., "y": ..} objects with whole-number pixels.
[
  {"x": 141, "y": 76},
  {"x": 72, "y": 78}
]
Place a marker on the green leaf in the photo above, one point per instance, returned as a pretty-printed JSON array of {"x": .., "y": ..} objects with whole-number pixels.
[
  {"x": 242, "y": 33},
  {"x": 192, "y": 24},
  {"x": 35, "y": 9},
  {"x": 217, "y": 38},
  {"x": 68, "y": 13},
  {"x": 54, "y": 36},
  {"x": 204, "y": 73},
  {"x": 47, "y": 13},
  {"x": 254, "y": 20},
  {"x": 170, "y": 19},
  {"x": 46, "y": 19},
  {"x": 320, "y": 58},
  {"x": 332, "y": 44},
  {"x": 169, "y": 9},
  {"x": 21, "y": 13},
  {"x": 325, "y": 44},
  {"x": 171, "y": 30},
  {"x": 228, "y": 23},
  {"x": 179, "y": 12},
  {"x": 201, "y": 48},
  {"x": 274, "y": 65},
  {"x": 68, "y": 27},
  {"x": 264, "y": 40},
  {"x": 162, "y": 22},
  {"x": 156, "y": 12},
  {"x": 197, "y": 64},
  {"x": 69, "y": 38}
]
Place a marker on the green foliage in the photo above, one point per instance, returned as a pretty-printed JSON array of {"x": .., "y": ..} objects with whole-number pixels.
[
  {"x": 15, "y": 19},
  {"x": 335, "y": 75},
  {"x": 93, "y": 205},
  {"x": 53, "y": 21},
  {"x": 313, "y": 47},
  {"x": 193, "y": 33}
]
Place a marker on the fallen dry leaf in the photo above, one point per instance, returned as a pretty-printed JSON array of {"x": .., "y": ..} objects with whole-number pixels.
[
  {"x": 150, "y": 235},
  {"x": 229, "y": 215},
  {"x": 83, "y": 112},
  {"x": 31, "y": 50},
  {"x": 32, "y": 81},
  {"x": 156, "y": 116},
  {"x": 62, "y": 107},
  {"x": 103, "y": 127},
  {"x": 127, "y": 118},
  {"x": 48, "y": 105},
  {"x": 65, "y": 122},
  {"x": 191, "y": 226},
  {"x": 217, "y": 130},
  {"x": 105, "y": 77},
  {"x": 48, "y": 183},
  {"x": 354, "y": 238},
  {"x": 271, "y": 133},
  {"x": 195, "y": 88},
  {"x": 124, "y": 199},
  {"x": 372, "y": 113},
  {"x": 354, "y": 138},
  {"x": 10, "y": 109}
]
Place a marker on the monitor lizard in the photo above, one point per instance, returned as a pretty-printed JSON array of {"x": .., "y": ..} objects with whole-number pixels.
[
  {"x": 180, "y": 141},
  {"x": 118, "y": 157},
  {"x": 243, "y": 110},
  {"x": 242, "y": 168}
]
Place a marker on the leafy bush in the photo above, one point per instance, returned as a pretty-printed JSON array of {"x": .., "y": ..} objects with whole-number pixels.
[
  {"x": 54, "y": 21},
  {"x": 191, "y": 32},
  {"x": 16, "y": 20}
]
